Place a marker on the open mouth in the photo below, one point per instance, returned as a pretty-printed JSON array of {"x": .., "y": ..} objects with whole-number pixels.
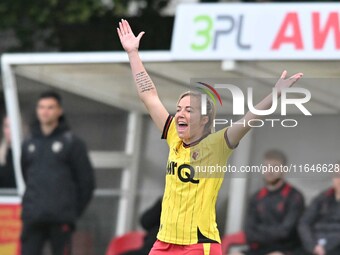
[{"x": 181, "y": 125}]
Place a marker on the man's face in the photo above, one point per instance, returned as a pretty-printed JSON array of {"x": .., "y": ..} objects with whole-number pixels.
[
  {"x": 271, "y": 177},
  {"x": 48, "y": 111}
]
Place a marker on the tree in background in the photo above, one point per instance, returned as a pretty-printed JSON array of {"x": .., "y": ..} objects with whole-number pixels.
[
  {"x": 34, "y": 22},
  {"x": 35, "y": 25}
]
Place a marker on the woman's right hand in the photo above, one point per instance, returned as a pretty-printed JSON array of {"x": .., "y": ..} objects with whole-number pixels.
[{"x": 128, "y": 40}]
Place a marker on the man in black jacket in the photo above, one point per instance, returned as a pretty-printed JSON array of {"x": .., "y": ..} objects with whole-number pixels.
[
  {"x": 273, "y": 213},
  {"x": 319, "y": 227},
  {"x": 59, "y": 180}
]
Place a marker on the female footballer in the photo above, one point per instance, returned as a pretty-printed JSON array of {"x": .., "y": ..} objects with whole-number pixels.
[{"x": 188, "y": 219}]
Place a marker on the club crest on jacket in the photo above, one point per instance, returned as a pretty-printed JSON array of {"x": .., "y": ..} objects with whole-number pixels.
[
  {"x": 57, "y": 147},
  {"x": 31, "y": 148}
]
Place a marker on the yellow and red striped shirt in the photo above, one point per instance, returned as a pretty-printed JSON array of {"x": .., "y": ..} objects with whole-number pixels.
[{"x": 188, "y": 207}]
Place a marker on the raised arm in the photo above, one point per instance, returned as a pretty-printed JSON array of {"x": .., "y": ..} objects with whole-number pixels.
[
  {"x": 146, "y": 89},
  {"x": 236, "y": 132}
]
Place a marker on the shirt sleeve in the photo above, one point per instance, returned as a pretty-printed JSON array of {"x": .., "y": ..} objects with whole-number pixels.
[
  {"x": 220, "y": 141},
  {"x": 306, "y": 224},
  {"x": 83, "y": 175},
  {"x": 23, "y": 162},
  {"x": 232, "y": 147},
  {"x": 169, "y": 131}
]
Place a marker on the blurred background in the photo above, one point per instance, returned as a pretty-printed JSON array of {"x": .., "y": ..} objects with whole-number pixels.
[{"x": 102, "y": 107}]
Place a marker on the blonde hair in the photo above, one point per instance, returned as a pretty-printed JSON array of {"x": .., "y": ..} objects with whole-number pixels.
[{"x": 211, "y": 109}]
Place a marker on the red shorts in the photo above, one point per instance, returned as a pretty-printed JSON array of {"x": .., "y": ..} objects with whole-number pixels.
[{"x": 161, "y": 248}]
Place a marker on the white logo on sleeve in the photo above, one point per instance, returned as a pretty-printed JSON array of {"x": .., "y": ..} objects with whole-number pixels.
[{"x": 57, "y": 147}]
